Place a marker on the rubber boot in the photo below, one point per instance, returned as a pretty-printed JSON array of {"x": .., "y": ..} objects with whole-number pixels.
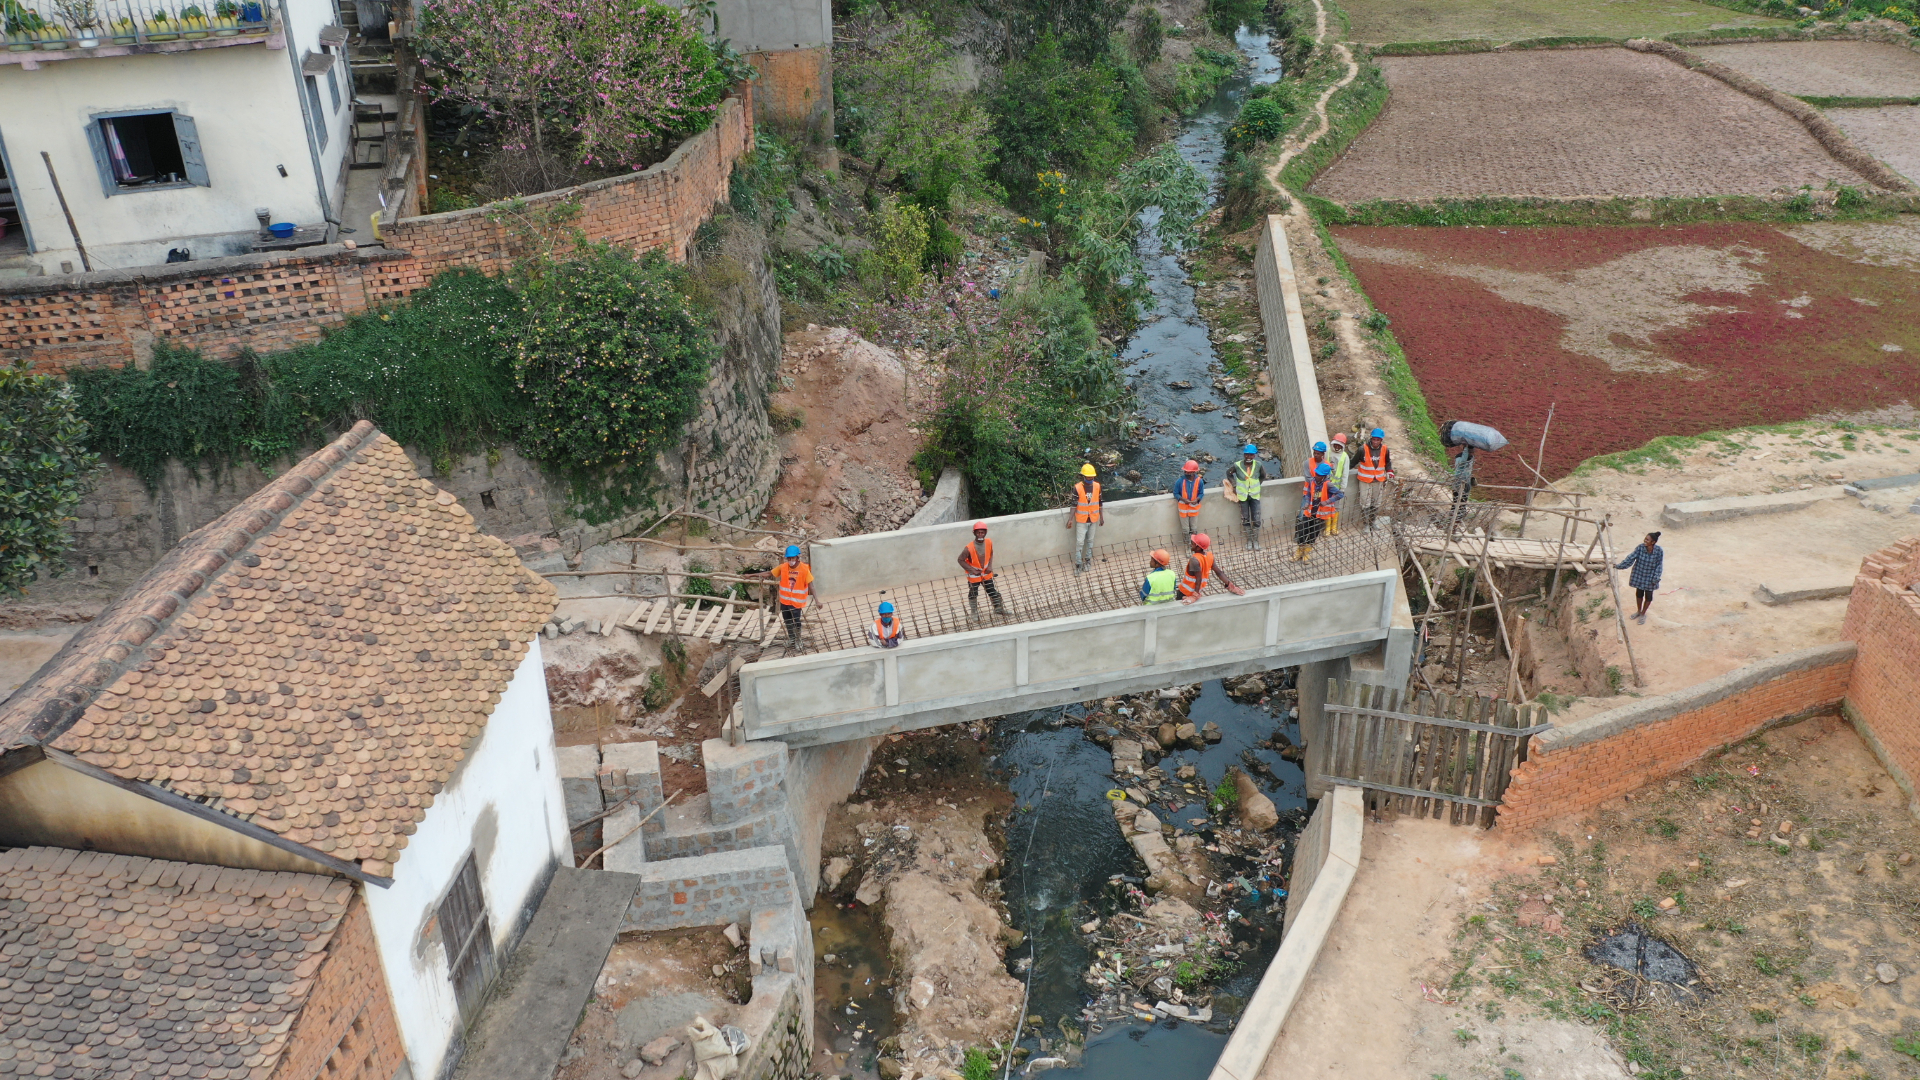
[
  {"x": 973, "y": 610},
  {"x": 1300, "y": 553}
]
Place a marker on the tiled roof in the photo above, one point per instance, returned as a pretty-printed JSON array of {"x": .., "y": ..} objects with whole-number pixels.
[
  {"x": 316, "y": 661},
  {"x": 114, "y": 966}
]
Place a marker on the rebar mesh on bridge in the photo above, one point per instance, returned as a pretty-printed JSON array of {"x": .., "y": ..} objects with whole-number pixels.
[{"x": 1048, "y": 588}]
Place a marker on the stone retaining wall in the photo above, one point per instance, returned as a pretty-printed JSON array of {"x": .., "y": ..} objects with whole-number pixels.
[
  {"x": 1296, "y": 390},
  {"x": 1883, "y": 620},
  {"x": 1574, "y": 768}
]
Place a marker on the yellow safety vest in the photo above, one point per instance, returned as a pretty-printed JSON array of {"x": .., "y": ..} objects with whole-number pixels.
[
  {"x": 1246, "y": 481},
  {"x": 1160, "y": 586}
]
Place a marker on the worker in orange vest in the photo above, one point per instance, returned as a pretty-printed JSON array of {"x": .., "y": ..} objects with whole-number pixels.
[
  {"x": 1200, "y": 566},
  {"x": 1188, "y": 493},
  {"x": 1317, "y": 499},
  {"x": 1374, "y": 470},
  {"x": 887, "y": 631},
  {"x": 796, "y": 589},
  {"x": 1087, "y": 513},
  {"x": 977, "y": 560}
]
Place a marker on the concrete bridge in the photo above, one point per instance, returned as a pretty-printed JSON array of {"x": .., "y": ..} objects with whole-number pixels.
[{"x": 1071, "y": 637}]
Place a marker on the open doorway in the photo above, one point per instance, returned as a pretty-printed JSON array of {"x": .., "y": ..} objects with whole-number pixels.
[{"x": 15, "y": 241}]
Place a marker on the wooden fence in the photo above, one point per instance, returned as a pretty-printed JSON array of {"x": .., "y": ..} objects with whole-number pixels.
[{"x": 1433, "y": 755}]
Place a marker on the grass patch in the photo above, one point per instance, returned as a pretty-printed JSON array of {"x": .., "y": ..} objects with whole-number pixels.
[
  {"x": 1351, "y": 110},
  {"x": 1504, "y": 212},
  {"x": 1665, "y": 451},
  {"x": 1856, "y": 102},
  {"x": 1479, "y": 45},
  {"x": 1388, "y": 20}
]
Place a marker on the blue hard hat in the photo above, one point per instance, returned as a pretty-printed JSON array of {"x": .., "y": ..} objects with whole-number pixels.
[
  {"x": 792, "y": 550},
  {"x": 1319, "y": 448},
  {"x": 886, "y": 607},
  {"x": 1249, "y": 449},
  {"x": 1323, "y": 469},
  {"x": 1377, "y": 433}
]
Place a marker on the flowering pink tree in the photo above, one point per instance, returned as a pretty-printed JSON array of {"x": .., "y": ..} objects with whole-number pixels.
[{"x": 614, "y": 79}]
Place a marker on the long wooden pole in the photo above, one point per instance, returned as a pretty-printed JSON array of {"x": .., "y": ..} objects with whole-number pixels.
[
  {"x": 1619, "y": 615},
  {"x": 71, "y": 227},
  {"x": 1540, "y": 461}
]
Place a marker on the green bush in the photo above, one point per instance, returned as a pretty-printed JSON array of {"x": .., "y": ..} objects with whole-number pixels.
[
  {"x": 1260, "y": 119},
  {"x": 611, "y": 360},
  {"x": 902, "y": 246},
  {"x": 182, "y": 406},
  {"x": 1050, "y": 114},
  {"x": 44, "y": 468},
  {"x": 1149, "y": 34}
]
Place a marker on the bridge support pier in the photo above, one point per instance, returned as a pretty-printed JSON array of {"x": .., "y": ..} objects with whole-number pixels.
[{"x": 1388, "y": 664}]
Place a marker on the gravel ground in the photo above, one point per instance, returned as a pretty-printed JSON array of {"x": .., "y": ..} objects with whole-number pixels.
[
  {"x": 1825, "y": 68},
  {"x": 1571, "y": 124},
  {"x": 1890, "y": 133}
]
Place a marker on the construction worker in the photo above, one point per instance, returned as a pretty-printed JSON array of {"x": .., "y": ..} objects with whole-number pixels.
[
  {"x": 977, "y": 560},
  {"x": 1317, "y": 498},
  {"x": 887, "y": 631},
  {"x": 1087, "y": 513},
  {"x": 1200, "y": 567},
  {"x": 1159, "y": 587},
  {"x": 1243, "y": 486},
  {"x": 1187, "y": 494},
  {"x": 1337, "y": 456},
  {"x": 1373, "y": 470},
  {"x": 796, "y": 589}
]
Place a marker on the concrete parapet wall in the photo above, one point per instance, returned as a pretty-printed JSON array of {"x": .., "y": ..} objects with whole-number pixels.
[
  {"x": 710, "y": 890},
  {"x": 1296, "y": 391},
  {"x": 856, "y": 693},
  {"x": 1883, "y": 698},
  {"x": 1573, "y": 768},
  {"x": 1325, "y": 862},
  {"x": 869, "y": 562},
  {"x": 948, "y": 503}
]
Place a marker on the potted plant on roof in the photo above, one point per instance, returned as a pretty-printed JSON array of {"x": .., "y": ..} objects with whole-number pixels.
[
  {"x": 162, "y": 27},
  {"x": 83, "y": 19},
  {"x": 22, "y": 24},
  {"x": 226, "y": 18},
  {"x": 124, "y": 32},
  {"x": 194, "y": 22}
]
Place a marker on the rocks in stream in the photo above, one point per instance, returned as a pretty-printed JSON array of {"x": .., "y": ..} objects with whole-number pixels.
[{"x": 1256, "y": 810}]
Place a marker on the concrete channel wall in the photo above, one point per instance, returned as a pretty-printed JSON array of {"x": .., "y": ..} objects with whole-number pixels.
[
  {"x": 857, "y": 693},
  {"x": 1296, "y": 392},
  {"x": 870, "y": 562}
]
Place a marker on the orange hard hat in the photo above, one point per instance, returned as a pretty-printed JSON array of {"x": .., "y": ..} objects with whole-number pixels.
[
  {"x": 1201, "y": 541},
  {"x": 1339, "y": 436},
  {"x": 1190, "y": 466},
  {"x": 979, "y": 526},
  {"x": 1161, "y": 558}
]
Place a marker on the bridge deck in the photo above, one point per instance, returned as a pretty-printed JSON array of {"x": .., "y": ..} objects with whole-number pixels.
[{"x": 1049, "y": 588}]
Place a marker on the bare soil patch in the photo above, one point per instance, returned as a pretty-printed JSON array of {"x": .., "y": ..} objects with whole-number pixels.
[
  {"x": 1825, "y": 68},
  {"x": 1790, "y": 935},
  {"x": 653, "y": 984},
  {"x": 1513, "y": 20},
  {"x": 1890, "y": 133},
  {"x": 1571, "y": 124}
]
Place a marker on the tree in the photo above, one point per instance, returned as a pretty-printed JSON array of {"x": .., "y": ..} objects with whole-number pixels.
[
  {"x": 912, "y": 116},
  {"x": 44, "y": 473},
  {"x": 1092, "y": 225},
  {"x": 1051, "y": 113}
]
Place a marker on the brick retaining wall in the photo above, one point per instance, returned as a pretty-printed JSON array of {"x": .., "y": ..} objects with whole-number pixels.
[
  {"x": 272, "y": 302},
  {"x": 347, "y": 1031},
  {"x": 1575, "y": 768},
  {"x": 1883, "y": 619}
]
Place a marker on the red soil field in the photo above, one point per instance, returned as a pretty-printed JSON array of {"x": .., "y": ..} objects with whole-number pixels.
[{"x": 1750, "y": 326}]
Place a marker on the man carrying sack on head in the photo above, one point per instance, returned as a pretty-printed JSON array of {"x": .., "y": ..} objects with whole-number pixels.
[
  {"x": 1087, "y": 513},
  {"x": 977, "y": 560}
]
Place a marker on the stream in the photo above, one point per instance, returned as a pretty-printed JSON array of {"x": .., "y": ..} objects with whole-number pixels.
[{"x": 1063, "y": 846}]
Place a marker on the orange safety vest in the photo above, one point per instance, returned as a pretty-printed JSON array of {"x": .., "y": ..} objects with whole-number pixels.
[
  {"x": 793, "y": 583},
  {"x": 976, "y": 564},
  {"x": 1319, "y": 498},
  {"x": 1190, "y": 585},
  {"x": 1372, "y": 470},
  {"x": 884, "y": 632},
  {"x": 1187, "y": 495},
  {"x": 1089, "y": 506}
]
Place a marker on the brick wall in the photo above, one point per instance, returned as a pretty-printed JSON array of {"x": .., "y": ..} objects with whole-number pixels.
[
  {"x": 1883, "y": 619},
  {"x": 347, "y": 1031},
  {"x": 1571, "y": 769},
  {"x": 266, "y": 303},
  {"x": 710, "y": 890}
]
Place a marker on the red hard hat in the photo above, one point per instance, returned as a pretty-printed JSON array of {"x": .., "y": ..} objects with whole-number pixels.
[
  {"x": 1340, "y": 436},
  {"x": 1202, "y": 541},
  {"x": 979, "y": 526},
  {"x": 1190, "y": 466}
]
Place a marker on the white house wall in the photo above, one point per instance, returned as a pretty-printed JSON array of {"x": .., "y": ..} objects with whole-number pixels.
[
  {"x": 245, "y": 101},
  {"x": 505, "y": 806}
]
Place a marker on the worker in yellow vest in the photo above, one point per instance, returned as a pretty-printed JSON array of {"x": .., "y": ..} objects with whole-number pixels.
[
  {"x": 796, "y": 589},
  {"x": 1243, "y": 486},
  {"x": 1338, "y": 458},
  {"x": 977, "y": 560},
  {"x": 1374, "y": 470},
  {"x": 1087, "y": 513},
  {"x": 1200, "y": 567},
  {"x": 1161, "y": 582}
]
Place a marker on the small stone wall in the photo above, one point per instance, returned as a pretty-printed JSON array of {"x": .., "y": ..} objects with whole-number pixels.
[
  {"x": 708, "y": 890},
  {"x": 1574, "y": 768},
  {"x": 1883, "y": 621}
]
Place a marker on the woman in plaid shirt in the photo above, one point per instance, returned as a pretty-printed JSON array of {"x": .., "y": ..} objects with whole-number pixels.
[{"x": 1647, "y": 561}]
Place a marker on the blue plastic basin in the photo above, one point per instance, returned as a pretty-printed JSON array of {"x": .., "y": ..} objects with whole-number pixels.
[{"x": 281, "y": 229}]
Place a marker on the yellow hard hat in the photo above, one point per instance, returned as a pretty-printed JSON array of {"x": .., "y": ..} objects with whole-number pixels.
[{"x": 1087, "y": 470}]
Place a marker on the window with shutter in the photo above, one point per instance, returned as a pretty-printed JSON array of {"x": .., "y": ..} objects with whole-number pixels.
[
  {"x": 468, "y": 938},
  {"x": 139, "y": 151}
]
